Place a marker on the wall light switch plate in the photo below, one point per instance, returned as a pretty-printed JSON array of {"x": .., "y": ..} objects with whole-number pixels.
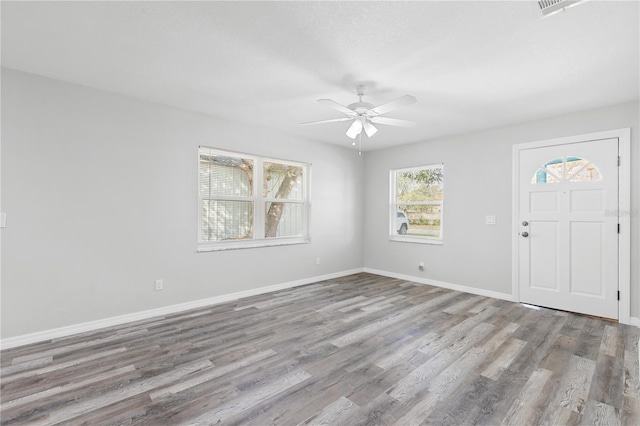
[{"x": 490, "y": 220}]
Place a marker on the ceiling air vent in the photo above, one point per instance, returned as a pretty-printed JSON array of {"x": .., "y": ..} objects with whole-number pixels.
[{"x": 549, "y": 7}]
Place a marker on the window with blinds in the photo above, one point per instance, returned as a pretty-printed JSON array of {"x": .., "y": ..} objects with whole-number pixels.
[{"x": 250, "y": 201}]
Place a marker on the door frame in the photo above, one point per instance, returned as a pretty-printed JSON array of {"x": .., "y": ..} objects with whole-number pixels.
[{"x": 624, "y": 205}]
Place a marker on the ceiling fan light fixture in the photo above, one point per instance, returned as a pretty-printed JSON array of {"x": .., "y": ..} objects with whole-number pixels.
[
  {"x": 355, "y": 129},
  {"x": 369, "y": 129}
]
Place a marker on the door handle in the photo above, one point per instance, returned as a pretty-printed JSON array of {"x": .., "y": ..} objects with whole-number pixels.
[
  {"x": 525, "y": 234},
  {"x": 525, "y": 223}
]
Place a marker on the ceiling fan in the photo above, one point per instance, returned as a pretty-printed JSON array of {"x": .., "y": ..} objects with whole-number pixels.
[{"x": 364, "y": 114}]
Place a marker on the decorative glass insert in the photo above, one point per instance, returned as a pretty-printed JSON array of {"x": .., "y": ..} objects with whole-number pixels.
[{"x": 566, "y": 169}]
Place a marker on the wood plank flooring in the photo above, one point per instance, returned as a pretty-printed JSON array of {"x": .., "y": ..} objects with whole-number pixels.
[{"x": 358, "y": 350}]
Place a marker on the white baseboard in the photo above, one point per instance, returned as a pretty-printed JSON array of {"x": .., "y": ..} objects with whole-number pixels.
[
  {"x": 635, "y": 321},
  {"x": 57, "y": 333},
  {"x": 457, "y": 287}
]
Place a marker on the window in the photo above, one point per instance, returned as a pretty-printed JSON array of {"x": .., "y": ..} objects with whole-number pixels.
[
  {"x": 416, "y": 204},
  {"x": 250, "y": 201},
  {"x": 562, "y": 169}
]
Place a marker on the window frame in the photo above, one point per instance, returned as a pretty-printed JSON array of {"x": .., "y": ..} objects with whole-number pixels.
[
  {"x": 259, "y": 200},
  {"x": 393, "y": 207}
]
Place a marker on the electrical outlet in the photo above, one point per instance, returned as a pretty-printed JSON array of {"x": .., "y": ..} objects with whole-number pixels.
[
  {"x": 317, "y": 260},
  {"x": 490, "y": 220},
  {"x": 421, "y": 266},
  {"x": 159, "y": 285}
]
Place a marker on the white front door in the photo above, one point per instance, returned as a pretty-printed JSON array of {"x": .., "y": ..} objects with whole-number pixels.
[{"x": 568, "y": 226}]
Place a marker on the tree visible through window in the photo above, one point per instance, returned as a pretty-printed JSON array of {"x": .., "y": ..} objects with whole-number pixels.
[
  {"x": 284, "y": 195},
  {"x": 417, "y": 203},
  {"x": 234, "y": 212}
]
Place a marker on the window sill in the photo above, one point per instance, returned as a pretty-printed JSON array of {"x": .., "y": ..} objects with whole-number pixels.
[
  {"x": 415, "y": 240},
  {"x": 236, "y": 245}
]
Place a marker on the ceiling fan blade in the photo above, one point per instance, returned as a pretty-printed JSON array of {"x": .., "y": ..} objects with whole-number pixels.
[
  {"x": 327, "y": 121},
  {"x": 369, "y": 129},
  {"x": 335, "y": 105},
  {"x": 394, "y": 104},
  {"x": 393, "y": 121},
  {"x": 355, "y": 129}
]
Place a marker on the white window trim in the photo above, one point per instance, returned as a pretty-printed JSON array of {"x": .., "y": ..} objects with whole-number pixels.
[
  {"x": 259, "y": 205},
  {"x": 393, "y": 208}
]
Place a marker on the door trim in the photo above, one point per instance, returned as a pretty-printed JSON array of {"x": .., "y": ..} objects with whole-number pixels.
[{"x": 624, "y": 206}]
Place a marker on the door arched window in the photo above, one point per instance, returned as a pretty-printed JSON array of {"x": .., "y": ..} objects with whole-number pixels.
[{"x": 567, "y": 169}]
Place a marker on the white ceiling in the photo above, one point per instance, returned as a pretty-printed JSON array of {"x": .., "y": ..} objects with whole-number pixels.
[{"x": 472, "y": 64}]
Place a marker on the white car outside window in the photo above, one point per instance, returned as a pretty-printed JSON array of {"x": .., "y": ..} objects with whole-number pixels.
[{"x": 402, "y": 223}]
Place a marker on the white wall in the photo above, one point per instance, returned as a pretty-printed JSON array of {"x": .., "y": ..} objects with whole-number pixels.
[
  {"x": 100, "y": 192},
  {"x": 478, "y": 183}
]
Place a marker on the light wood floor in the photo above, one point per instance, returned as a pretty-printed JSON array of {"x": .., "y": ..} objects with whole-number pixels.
[{"x": 359, "y": 350}]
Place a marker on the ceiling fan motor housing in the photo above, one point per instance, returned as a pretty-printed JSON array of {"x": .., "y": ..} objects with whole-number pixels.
[{"x": 360, "y": 107}]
